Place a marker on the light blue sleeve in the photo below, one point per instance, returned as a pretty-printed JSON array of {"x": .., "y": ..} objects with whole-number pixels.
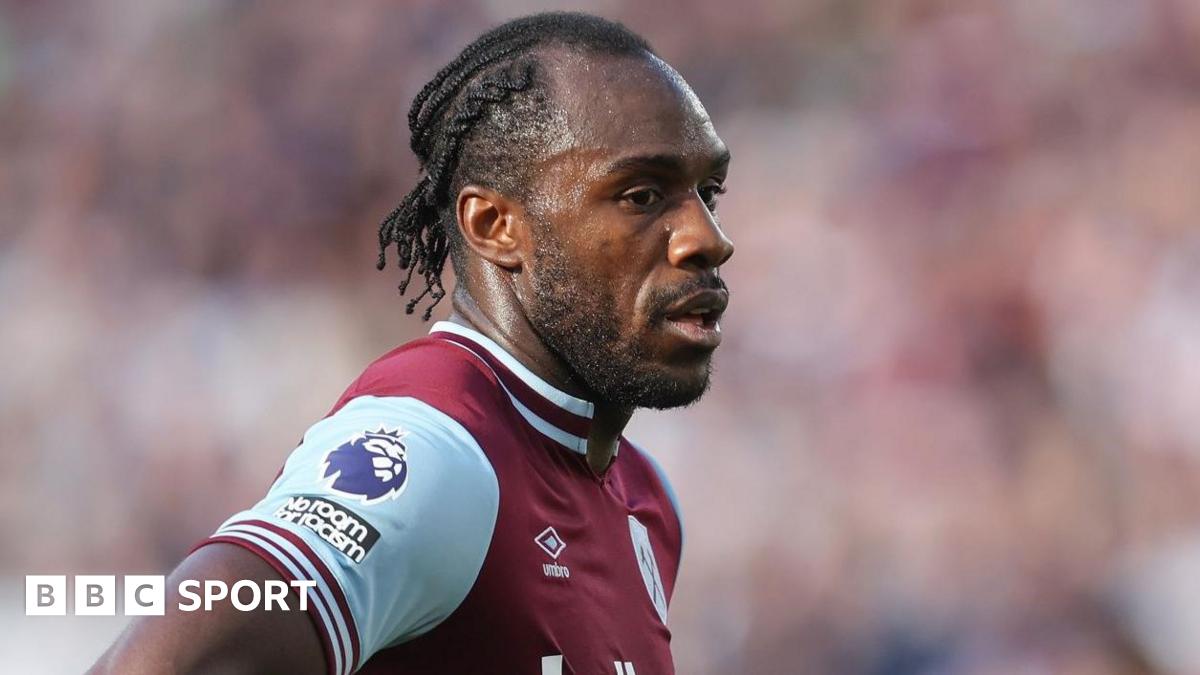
[{"x": 389, "y": 506}]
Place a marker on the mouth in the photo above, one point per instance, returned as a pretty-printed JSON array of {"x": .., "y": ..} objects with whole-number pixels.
[{"x": 697, "y": 319}]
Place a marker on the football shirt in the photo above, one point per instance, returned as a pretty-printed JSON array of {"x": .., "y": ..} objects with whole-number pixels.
[{"x": 447, "y": 514}]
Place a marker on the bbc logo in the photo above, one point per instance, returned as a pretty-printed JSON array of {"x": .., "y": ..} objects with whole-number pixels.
[
  {"x": 145, "y": 595},
  {"x": 95, "y": 595}
]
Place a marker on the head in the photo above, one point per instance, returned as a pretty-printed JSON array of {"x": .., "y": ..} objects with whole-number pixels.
[{"x": 571, "y": 176}]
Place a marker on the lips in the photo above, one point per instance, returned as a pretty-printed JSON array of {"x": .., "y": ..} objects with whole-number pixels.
[{"x": 696, "y": 319}]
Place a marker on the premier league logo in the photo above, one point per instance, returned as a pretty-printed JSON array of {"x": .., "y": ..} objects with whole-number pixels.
[{"x": 372, "y": 466}]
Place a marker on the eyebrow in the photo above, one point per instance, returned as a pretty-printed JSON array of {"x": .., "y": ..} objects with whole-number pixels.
[{"x": 660, "y": 162}]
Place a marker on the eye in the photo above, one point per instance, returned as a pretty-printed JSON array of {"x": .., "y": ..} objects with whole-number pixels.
[
  {"x": 643, "y": 197},
  {"x": 709, "y": 192}
]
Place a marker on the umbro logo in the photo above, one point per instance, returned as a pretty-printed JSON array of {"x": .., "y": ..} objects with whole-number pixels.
[
  {"x": 553, "y": 545},
  {"x": 550, "y": 542}
]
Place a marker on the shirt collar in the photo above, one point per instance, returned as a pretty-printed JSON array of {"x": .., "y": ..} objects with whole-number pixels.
[{"x": 556, "y": 414}]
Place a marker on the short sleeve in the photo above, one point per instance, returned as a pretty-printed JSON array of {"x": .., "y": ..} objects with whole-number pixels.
[{"x": 389, "y": 506}]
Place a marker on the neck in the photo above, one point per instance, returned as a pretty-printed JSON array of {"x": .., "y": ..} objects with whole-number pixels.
[{"x": 513, "y": 332}]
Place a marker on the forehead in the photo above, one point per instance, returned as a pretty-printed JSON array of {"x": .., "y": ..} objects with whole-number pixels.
[{"x": 623, "y": 105}]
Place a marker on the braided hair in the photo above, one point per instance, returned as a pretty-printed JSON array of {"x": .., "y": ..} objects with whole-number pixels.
[{"x": 483, "y": 119}]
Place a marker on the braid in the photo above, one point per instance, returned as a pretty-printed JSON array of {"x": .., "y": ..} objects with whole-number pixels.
[
  {"x": 447, "y": 86},
  {"x": 421, "y": 243},
  {"x": 457, "y": 115}
]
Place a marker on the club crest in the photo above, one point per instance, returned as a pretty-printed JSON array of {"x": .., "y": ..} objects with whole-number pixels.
[
  {"x": 644, "y": 553},
  {"x": 372, "y": 466}
]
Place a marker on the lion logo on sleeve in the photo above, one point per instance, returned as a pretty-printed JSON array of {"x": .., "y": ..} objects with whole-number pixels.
[{"x": 372, "y": 466}]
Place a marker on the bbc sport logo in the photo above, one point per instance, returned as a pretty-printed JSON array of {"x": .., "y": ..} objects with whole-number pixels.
[{"x": 145, "y": 594}]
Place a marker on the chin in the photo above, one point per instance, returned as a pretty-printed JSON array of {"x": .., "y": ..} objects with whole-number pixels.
[
  {"x": 678, "y": 399},
  {"x": 662, "y": 388}
]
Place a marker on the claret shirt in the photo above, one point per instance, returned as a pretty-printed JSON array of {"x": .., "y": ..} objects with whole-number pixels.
[{"x": 447, "y": 514}]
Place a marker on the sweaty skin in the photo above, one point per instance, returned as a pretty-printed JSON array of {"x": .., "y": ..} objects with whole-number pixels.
[
  {"x": 634, "y": 125},
  {"x": 577, "y": 284}
]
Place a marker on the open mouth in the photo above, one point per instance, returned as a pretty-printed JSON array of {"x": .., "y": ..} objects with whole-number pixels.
[
  {"x": 704, "y": 318},
  {"x": 698, "y": 318}
]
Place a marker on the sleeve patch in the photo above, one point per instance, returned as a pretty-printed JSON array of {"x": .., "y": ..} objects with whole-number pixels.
[
  {"x": 362, "y": 507},
  {"x": 371, "y": 466},
  {"x": 346, "y": 531}
]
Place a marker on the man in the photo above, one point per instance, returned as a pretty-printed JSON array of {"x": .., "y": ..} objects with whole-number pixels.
[{"x": 470, "y": 505}]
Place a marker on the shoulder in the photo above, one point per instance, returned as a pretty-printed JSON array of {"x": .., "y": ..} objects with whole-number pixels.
[
  {"x": 374, "y": 447},
  {"x": 659, "y": 475},
  {"x": 408, "y": 471},
  {"x": 390, "y": 505},
  {"x": 436, "y": 371}
]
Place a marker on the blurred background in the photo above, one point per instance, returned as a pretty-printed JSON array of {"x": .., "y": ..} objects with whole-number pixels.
[{"x": 954, "y": 427}]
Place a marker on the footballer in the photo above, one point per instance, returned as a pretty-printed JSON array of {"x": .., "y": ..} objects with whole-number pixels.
[{"x": 469, "y": 504}]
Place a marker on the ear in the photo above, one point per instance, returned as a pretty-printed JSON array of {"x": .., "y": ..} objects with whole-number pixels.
[{"x": 491, "y": 226}]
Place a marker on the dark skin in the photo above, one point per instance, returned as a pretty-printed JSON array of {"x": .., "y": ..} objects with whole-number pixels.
[
  {"x": 628, "y": 198},
  {"x": 633, "y": 193}
]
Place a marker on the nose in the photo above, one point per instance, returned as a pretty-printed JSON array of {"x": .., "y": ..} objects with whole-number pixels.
[{"x": 696, "y": 238}]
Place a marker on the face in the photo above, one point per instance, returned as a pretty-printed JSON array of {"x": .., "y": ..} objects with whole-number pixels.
[{"x": 623, "y": 282}]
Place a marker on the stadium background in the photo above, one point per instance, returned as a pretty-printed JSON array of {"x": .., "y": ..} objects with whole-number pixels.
[{"x": 954, "y": 427}]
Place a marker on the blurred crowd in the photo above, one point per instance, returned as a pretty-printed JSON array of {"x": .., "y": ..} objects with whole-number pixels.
[{"x": 954, "y": 427}]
